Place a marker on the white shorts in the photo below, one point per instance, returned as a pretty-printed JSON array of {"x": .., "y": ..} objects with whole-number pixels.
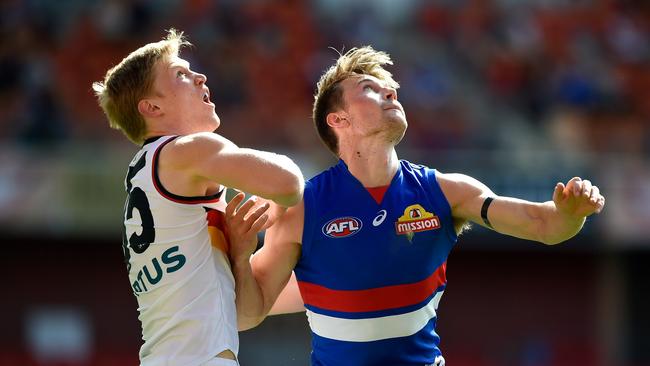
[{"x": 218, "y": 361}]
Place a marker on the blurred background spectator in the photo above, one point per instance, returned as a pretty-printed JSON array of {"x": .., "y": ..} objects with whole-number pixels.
[{"x": 518, "y": 93}]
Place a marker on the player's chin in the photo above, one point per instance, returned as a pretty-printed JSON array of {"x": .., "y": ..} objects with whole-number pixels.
[
  {"x": 216, "y": 121},
  {"x": 396, "y": 130},
  {"x": 398, "y": 122}
]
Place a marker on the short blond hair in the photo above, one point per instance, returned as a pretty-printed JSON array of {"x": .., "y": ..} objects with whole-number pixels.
[
  {"x": 131, "y": 80},
  {"x": 329, "y": 96}
]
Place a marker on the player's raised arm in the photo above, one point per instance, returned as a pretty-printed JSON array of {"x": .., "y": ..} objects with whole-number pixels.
[
  {"x": 209, "y": 156},
  {"x": 549, "y": 222},
  {"x": 289, "y": 300},
  {"x": 261, "y": 279}
]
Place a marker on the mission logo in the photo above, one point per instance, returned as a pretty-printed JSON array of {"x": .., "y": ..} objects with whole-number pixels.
[
  {"x": 342, "y": 227},
  {"x": 416, "y": 219}
]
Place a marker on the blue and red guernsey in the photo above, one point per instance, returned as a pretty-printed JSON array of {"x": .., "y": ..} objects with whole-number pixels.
[{"x": 372, "y": 274}]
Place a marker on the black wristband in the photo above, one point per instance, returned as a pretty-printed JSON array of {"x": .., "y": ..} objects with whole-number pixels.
[{"x": 484, "y": 210}]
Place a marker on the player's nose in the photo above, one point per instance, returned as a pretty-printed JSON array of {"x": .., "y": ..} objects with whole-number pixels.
[
  {"x": 200, "y": 79},
  {"x": 390, "y": 94}
]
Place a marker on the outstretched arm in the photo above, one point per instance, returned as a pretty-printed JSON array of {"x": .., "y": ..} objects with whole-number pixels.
[
  {"x": 260, "y": 279},
  {"x": 549, "y": 222},
  {"x": 242, "y": 225},
  {"x": 208, "y": 157}
]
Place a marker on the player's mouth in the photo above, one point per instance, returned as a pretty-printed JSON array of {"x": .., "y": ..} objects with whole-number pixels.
[{"x": 206, "y": 97}]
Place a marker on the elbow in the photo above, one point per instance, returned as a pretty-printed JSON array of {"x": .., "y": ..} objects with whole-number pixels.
[
  {"x": 294, "y": 194},
  {"x": 291, "y": 188}
]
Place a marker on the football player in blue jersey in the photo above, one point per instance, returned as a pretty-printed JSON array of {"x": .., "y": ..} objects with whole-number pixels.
[{"x": 369, "y": 241}]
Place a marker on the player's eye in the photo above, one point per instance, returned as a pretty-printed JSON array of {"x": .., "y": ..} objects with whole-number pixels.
[{"x": 180, "y": 73}]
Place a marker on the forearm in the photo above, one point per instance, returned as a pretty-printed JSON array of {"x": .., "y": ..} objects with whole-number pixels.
[
  {"x": 556, "y": 226},
  {"x": 538, "y": 221},
  {"x": 550, "y": 222},
  {"x": 249, "y": 299},
  {"x": 282, "y": 180}
]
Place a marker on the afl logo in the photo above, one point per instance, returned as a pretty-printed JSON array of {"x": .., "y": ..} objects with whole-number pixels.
[{"x": 342, "y": 227}]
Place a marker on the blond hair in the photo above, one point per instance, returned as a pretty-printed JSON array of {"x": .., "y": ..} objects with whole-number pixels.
[
  {"x": 131, "y": 80},
  {"x": 329, "y": 95}
]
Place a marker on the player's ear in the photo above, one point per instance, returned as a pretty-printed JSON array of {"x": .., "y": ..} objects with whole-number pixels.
[
  {"x": 337, "y": 119},
  {"x": 148, "y": 108}
]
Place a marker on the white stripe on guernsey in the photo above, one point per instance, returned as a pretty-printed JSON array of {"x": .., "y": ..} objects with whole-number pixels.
[{"x": 373, "y": 329}]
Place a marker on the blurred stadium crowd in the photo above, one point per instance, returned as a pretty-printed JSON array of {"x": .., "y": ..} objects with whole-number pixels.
[
  {"x": 518, "y": 93},
  {"x": 467, "y": 65},
  {"x": 553, "y": 82}
]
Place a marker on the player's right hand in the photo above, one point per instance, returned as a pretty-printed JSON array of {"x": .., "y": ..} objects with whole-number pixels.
[
  {"x": 242, "y": 225},
  {"x": 578, "y": 198}
]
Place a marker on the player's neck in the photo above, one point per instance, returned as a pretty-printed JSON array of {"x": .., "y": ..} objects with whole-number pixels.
[
  {"x": 163, "y": 127},
  {"x": 372, "y": 167}
]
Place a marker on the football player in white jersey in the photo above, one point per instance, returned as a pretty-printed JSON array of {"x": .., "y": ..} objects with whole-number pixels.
[{"x": 174, "y": 243}]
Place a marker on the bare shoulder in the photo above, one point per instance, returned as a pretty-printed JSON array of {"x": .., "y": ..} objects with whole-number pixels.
[
  {"x": 460, "y": 187},
  {"x": 202, "y": 142},
  {"x": 185, "y": 149}
]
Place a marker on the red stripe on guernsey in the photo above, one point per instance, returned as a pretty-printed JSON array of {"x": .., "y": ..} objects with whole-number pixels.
[
  {"x": 216, "y": 228},
  {"x": 216, "y": 219},
  {"x": 382, "y": 298},
  {"x": 163, "y": 192}
]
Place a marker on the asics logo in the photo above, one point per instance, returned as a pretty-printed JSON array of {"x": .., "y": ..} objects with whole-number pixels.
[{"x": 381, "y": 216}]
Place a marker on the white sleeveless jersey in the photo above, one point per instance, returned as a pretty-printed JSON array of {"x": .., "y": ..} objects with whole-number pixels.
[{"x": 183, "y": 283}]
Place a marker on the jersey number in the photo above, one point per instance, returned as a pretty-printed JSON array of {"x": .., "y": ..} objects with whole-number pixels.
[{"x": 137, "y": 199}]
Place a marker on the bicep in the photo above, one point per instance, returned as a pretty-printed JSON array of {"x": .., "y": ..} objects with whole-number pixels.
[
  {"x": 289, "y": 300},
  {"x": 465, "y": 196},
  {"x": 507, "y": 215},
  {"x": 214, "y": 158},
  {"x": 257, "y": 172}
]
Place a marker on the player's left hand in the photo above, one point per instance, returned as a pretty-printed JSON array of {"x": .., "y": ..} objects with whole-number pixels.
[
  {"x": 242, "y": 225},
  {"x": 578, "y": 198}
]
